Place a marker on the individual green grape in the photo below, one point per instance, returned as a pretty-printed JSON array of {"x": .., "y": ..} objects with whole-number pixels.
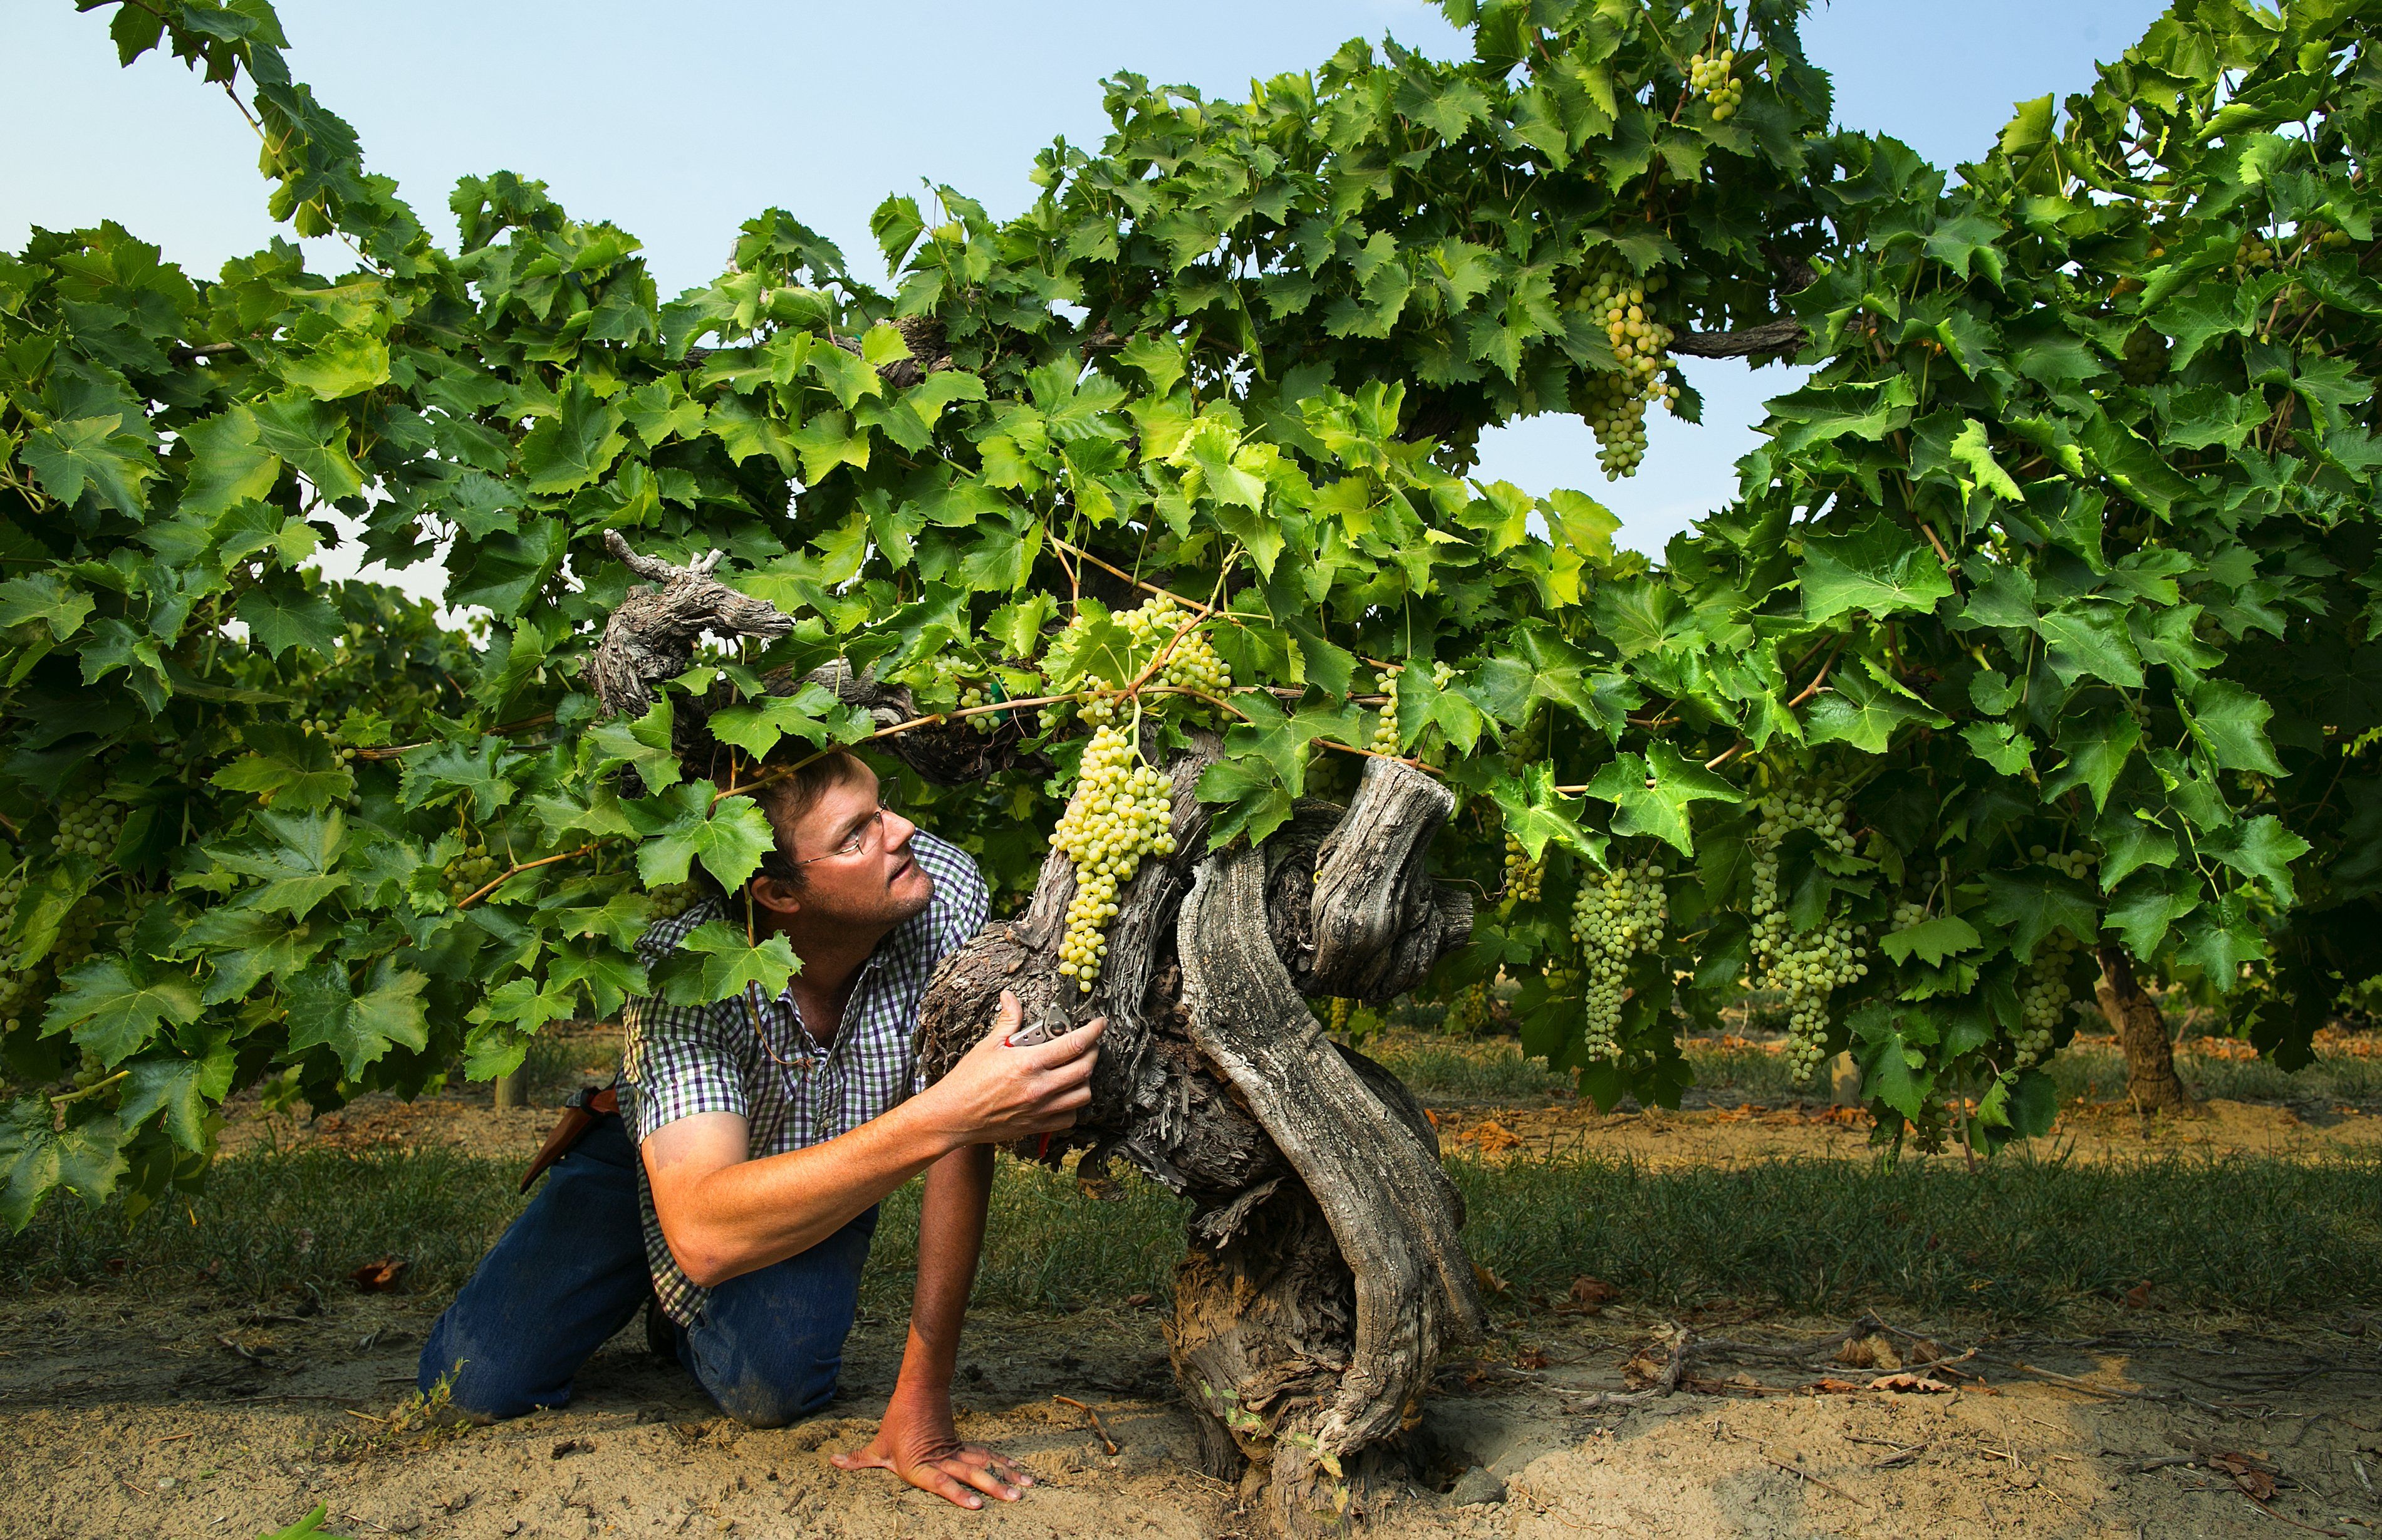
[
  {"x": 1524, "y": 877},
  {"x": 1616, "y": 917},
  {"x": 1122, "y": 810},
  {"x": 1810, "y": 966}
]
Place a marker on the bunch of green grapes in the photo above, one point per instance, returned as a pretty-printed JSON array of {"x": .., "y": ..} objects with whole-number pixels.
[
  {"x": 1710, "y": 78},
  {"x": 1122, "y": 810},
  {"x": 1616, "y": 917},
  {"x": 1467, "y": 1013},
  {"x": 78, "y": 933},
  {"x": 1616, "y": 404},
  {"x": 1908, "y": 913},
  {"x": 2076, "y": 863},
  {"x": 1524, "y": 877},
  {"x": 1337, "y": 1015},
  {"x": 1809, "y": 967},
  {"x": 971, "y": 693},
  {"x": 119, "y": 936},
  {"x": 21, "y": 992},
  {"x": 88, "y": 825},
  {"x": 668, "y": 903},
  {"x": 1193, "y": 664},
  {"x": 1385, "y": 731},
  {"x": 327, "y": 729},
  {"x": 2043, "y": 998},
  {"x": 471, "y": 871}
]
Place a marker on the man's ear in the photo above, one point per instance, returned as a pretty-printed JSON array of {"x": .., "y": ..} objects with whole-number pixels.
[{"x": 778, "y": 897}]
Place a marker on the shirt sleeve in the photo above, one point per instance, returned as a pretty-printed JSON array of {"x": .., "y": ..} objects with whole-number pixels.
[{"x": 675, "y": 1066}]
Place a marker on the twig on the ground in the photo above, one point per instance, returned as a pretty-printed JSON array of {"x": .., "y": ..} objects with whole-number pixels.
[
  {"x": 1801, "y": 1474},
  {"x": 1899, "y": 1456},
  {"x": 1069, "y": 1400},
  {"x": 175, "y": 1437},
  {"x": 2295, "y": 1524}
]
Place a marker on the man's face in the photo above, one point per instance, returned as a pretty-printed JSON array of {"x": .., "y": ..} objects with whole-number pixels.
[{"x": 877, "y": 883}]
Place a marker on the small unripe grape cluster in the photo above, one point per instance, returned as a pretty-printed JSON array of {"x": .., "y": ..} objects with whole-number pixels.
[
  {"x": 1809, "y": 967},
  {"x": 1616, "y": 404},
  {"x": 17, "y": 981},
  {"x": 1385, "y": 731},
  {"x": 135, "y": 909},
  {"x": 2076, "y": 863},
  {"x": 1467, "y": 1013},
  {"x": 1710, "y": 78},
  {"x": 88, "y": 826},
  {"x": 1616, "y": 917},
  {"x": 1338, "y": 1013},
  {"x": 471, "y": 871},
  {"x": 2043, "y": 998},
  {"x": 1122, "y": 811},
  {"x": 668, "y": 903},
  {"x": 78, "y": 933},
  {"x": 972, "y": 693},
  {"x": 325, "y": 728},
  {"x": 1908, "y": 913},
  {"x": 1194, "y": 663},
  {"x": 1524, "y": 878}
]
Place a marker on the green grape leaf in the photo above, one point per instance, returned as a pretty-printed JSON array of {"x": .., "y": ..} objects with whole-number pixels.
[
  {"x": 1651, "y": 796},
  {"x": 359, "y": 1029},
  {"x": 1932, "y": 941},
  {"x": 683, "y": 825},
  {"x": 1535, "y": 816},
  {"x": 2230, "y": 723},
  {"x": 114, "y": 1005},
  {"x": 88, "y": 453},
  {"x": 811, "y": 713},
  {"x": 715, "y": 963},
  {"x": 1881, "y": 568},
  {"x": 46, "y": 597},
  {"x": 287, "y": 764},
  {"x": 84, "y": 1157}
]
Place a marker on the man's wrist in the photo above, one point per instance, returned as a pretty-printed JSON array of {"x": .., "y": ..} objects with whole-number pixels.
[{"x": 927, "y": 1126}]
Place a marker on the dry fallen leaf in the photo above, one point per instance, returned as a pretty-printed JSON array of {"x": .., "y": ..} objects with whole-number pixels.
[
  {"x": 1831, "y": 1386},
  {"x": 379, "y": 1278},
  {"x": 1920, "y": 1385},
  {"x": 1490, "y": 1282},
  {"x": 1491, "y": 1137},
  {"x": 2139, "y": 1297},
  {"x": 2253, "y": 1475},
  {"x": 1530, "y": 1357},
  {"x": 1588, "y": 1297},
  {"x": 1873, "y": 1351}
]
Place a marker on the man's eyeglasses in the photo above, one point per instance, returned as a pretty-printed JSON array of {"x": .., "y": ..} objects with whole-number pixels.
[{"x": 871, "y": 832}]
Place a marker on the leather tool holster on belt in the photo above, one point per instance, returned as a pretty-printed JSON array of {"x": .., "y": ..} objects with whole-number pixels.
[{"x": 578, "y": 1115}]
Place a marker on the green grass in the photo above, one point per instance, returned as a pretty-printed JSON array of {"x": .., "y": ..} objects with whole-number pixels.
[
  {"x": 2099, "y": 1075},
  {"x": 1490, "y": 1069},
  {"x": 2019, "y": 1238}
]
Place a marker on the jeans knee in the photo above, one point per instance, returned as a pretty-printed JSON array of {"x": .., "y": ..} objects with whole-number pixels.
[
  {"x": 761, "y": 1401},
  {"x": 476, "y": 1382}
]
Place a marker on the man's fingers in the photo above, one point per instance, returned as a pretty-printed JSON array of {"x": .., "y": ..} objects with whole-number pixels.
[
  {"x": 935, "y": 1479},
  {"x": 990, "y": 1482},
  {"x": 1068, "y": 1046},
  {"x": 1006, "y": 1019},
  {"x": 861, "y": 1460}
]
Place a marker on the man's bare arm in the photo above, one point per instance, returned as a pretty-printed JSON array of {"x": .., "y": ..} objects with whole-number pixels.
[
  {"x": 724, "y": 1215},
  {"x": 919, "y": 1440}
]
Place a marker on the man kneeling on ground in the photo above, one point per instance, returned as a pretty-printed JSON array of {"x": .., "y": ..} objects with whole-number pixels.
[{"x": 734, "y": 1192}]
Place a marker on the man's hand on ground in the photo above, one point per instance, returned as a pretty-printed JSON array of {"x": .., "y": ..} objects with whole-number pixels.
[
  {"x": 998, "y": 1094},
  {"x": 919, "y": 1443}
]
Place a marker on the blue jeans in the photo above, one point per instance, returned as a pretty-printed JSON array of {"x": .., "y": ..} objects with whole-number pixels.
[{"x": 571, "y": 1270}]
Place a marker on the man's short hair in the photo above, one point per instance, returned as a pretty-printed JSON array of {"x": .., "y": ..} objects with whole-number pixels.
[{"x": 794, "y": 792}]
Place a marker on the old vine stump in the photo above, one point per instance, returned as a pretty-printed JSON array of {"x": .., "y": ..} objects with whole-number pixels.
[{"x": 1324, "y": 1270}]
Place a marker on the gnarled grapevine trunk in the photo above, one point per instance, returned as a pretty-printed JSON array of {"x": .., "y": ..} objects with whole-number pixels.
[
  {"x": 1324, "y": 1270},
  {"x": 2151, "y": 1081}
]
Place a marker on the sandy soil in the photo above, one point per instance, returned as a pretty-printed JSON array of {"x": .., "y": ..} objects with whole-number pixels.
[{"x": 179, "y": 1417}]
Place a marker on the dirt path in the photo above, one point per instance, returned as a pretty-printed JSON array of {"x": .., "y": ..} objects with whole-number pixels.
[{"x": 174, "y": 1417}]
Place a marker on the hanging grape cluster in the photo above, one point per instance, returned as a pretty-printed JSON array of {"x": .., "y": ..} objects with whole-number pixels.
[
  {"x": 1524, "y": 877},
  {"x": 78, "y": 933},
  {"x": 1467, "y": 1013},
  {"x": 2043, "y": 998},
  {"x": 1194, "y": 663},
  {"x": 1711, "y": 79},
  {"x": 17, "y": 985},
  {"x": 1385, "y": 731},
  {"x": 1616, "y": 917},
  {"x": 1120, "y": 811},
  {"x": 1337, "y": 1014},
  {"x": 88, "y": 825},
  {"x": 1809, "y": 967},
  {"x": 471, "y": 871},
  {"x": 1615, "y": 403}
]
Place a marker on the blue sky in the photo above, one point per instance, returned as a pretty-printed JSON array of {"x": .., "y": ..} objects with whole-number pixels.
[{"x": 677, "y": 121}]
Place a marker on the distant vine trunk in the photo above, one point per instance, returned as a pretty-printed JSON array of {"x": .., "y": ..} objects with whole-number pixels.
[{"x": 2151, "y": 1081}]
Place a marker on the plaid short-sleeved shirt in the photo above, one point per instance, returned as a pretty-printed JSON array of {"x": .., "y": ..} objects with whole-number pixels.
[{"x": 791, "y": 1093}]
